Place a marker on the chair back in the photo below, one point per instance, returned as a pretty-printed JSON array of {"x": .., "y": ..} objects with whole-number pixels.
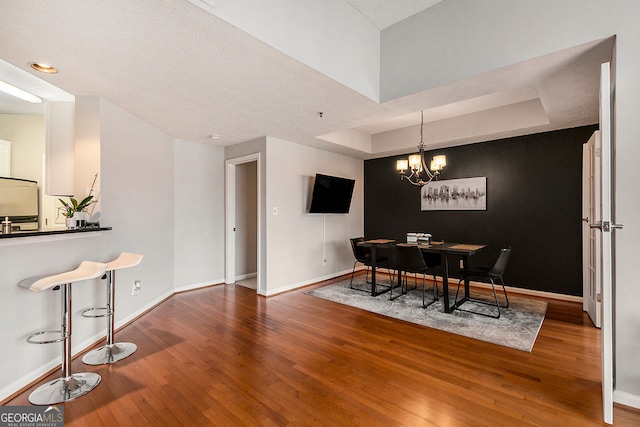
[
  {"x": 500, "y": 265},
  {"x": 361, "y": 253},
  {"x": 409, "y": 259}
]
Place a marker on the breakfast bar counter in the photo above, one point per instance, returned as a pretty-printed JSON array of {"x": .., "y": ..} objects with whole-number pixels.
[{"x": 48, "y": 235}]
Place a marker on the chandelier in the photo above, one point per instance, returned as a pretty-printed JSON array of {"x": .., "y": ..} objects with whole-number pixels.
[{"x": 420, "y": 173}]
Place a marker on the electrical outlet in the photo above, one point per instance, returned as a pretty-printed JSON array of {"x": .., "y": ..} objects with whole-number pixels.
[
  {"x": 135, "y": 291},
  {"x": 461, "y": 264}
]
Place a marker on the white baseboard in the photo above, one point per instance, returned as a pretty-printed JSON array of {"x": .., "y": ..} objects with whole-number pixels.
[
  {"x": 184, "y": 288},
  {"x": 79, "y": 348},
  {"x": 482, "y": 285},
  {"x": 26, "y": 380},
  {"x": 246, "y": 276},
  {"x": 530, "y": 292},
  {"x": 305, "y": 283},
  {"x": 510, "y": 289},
  {"x": 627, "y": 399}
]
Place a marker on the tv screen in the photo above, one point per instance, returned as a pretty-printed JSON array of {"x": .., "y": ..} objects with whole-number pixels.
[{"x": 331, "y": 194}]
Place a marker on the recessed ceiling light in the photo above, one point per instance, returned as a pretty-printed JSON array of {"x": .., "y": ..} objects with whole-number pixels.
[
  {"x": 43, "y": 68},
  {"x": 214, "y": 136}
]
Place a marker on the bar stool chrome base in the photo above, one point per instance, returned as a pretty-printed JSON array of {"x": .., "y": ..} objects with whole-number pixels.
[
  {"x": 109, "y": 353},
  {"x": 69, "y": 386},
  {"x": 112, "y": 351},
  {"x": 64, "y": 389}
]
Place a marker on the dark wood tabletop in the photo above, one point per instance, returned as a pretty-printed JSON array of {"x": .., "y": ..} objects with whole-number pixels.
[{"x": 463, "y": 250}]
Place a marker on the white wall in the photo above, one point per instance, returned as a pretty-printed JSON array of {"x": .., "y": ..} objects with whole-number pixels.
[
  {"x": 86, "y": 153},
  {"x": 198, "y": 214},
  {"x": 137, "y": 201},
  {"x": 292, "y": 243},
  {"x": 296, "y": 240},
  {"x": 459, "y": 39},
  {"x": 329, "y": 36}
]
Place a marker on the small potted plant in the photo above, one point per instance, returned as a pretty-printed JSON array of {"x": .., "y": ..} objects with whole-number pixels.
[{"x": 73, "y": 211}]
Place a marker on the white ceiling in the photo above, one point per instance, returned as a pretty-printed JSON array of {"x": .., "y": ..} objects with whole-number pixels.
[
  {"x": 192, "y": 74},
  {"x": 384, "y": 13}
]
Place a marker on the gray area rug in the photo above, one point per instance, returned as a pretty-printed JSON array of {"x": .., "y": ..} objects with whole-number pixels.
[{"x": 517, "y": 327}]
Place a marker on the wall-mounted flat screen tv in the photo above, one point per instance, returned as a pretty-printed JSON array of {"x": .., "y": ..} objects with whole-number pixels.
[{"x": 331, "y": 194}]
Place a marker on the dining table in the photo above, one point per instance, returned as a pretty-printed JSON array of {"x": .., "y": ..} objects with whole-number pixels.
[{"x": 444, "y": 249}]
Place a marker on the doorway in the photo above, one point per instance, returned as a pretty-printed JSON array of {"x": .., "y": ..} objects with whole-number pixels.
[
  {"x": 242, "y": 223},
  {"x": 246, "y": 228}
]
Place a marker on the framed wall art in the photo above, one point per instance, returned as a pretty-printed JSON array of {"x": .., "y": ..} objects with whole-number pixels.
[{"x": 467, "y": 194}]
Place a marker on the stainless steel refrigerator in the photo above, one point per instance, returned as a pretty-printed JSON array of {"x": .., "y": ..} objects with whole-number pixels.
[{"x": 19, "y": 202}]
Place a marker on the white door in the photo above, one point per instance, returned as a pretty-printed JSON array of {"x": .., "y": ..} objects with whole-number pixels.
[
  {"x": 606, "y": 226},
  {"x": 591, "y": 245}
]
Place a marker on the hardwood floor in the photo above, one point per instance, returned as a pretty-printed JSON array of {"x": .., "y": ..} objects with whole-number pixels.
[{"x": 223, "y": 356}]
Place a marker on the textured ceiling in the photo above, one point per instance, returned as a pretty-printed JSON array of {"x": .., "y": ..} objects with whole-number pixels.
[{"x": 191, "y": 74}]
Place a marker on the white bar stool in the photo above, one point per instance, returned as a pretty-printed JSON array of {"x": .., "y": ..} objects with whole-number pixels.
[
  {"x": 111, "y": 352},
  {"x": 69, "y": 386}
]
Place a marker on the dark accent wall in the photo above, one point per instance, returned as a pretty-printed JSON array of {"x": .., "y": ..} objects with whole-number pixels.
[{"x": 534, "y": 205}]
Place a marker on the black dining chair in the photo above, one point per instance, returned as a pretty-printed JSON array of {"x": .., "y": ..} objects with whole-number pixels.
[
  {"x": 409, "y": 259},
  {"x": 491, "y": 273},
  {"x": 363, "y": 256}
]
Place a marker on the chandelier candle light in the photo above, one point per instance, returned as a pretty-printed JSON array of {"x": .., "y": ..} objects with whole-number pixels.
[{"x": 417, "y": 165}]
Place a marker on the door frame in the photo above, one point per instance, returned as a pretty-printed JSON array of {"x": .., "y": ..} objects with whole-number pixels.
[
  {"x": 606, "y": 234},
  {"x": 230, "y": 219}
]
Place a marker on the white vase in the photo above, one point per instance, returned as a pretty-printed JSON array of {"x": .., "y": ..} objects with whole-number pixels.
[
  {"x": 70, "y": 222},
  {"x": 80, "y": 219}
]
